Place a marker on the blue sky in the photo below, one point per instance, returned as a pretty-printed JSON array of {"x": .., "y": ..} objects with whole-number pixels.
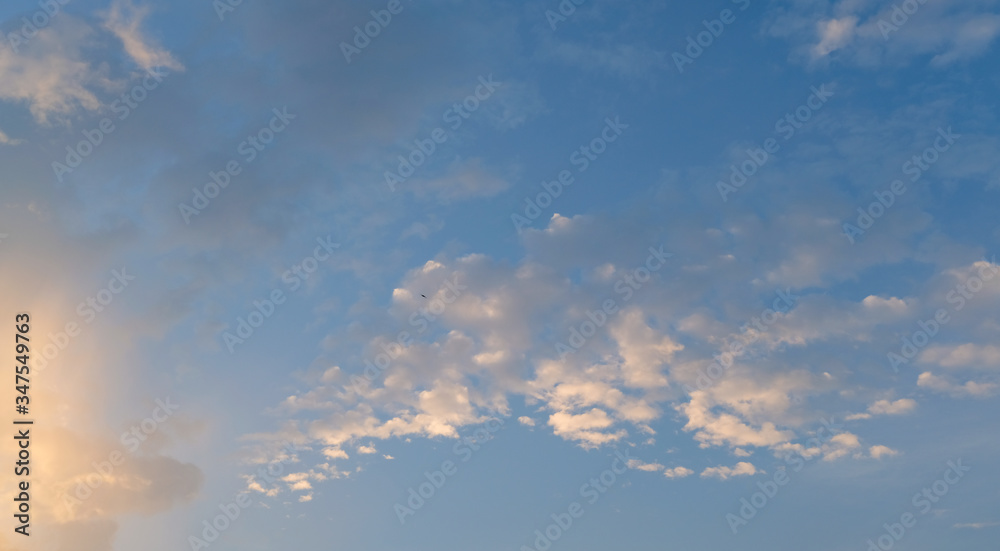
[{"x": 748, "y": 246}]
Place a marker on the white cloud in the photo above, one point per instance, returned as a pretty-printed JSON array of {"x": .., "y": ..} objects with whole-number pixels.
[
  {"x": 840, "y": 445},
  {"x": 335, "y": 453},
  {"x": 125, "y": 20},
  {"x": 722, "y": 472},
  {"x": 879, "y": 452},
  {"x": 51, "y": 73},
  {"x": 644, "y": 351},
  {"x": 834, "y": 34},
  {"x": 677, "y": 472},
  {"x": 721, "y": 428},
  {"x": 969, "y": 355},
  {"x": 899, "y": 407},
  {"x": 5, "y": 139},
  {"x": 947, "y": 386},
  {"x": 585, "y": 427},
  {"x": 886, "y": 407},
  {"x": 943, "y": 32},
  {"x": 642, "y": 466}
]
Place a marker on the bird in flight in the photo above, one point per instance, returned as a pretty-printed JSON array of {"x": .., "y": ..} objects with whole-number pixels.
[{"x": 425, "y": 296}]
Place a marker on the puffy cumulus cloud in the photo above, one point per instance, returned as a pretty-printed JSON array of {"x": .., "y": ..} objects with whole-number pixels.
[
  {"x": 668, "y": 472},
  {"x": 470, "y": 337},
  {"x": 643, "y": 350},
  {"x": 749, "y": 407},
  {"x": 829, "y": 446},
  {"x": 878, "y": 452},
  {"x": 718, "y": 428},
  {"x": 640, "y": 465},
  {"x": 762, "y": 397},
  {"x": 587, "y": 428},
  {"x": 899, "y": 407},
  {"x": 946, "y": 385},
  {"x": 495, "y": 339},
  {"x": 722, "y": 472},
  {"x": 568, "y": 387},
  {"x": 813, "y": 448},
  {"x": 677, "y": 472},
  {"x": 7, "y": 140},
  {"x": 840, "y": 445},
  {"x": 887, "y": 407},
  {"x": 871, "y": 35},
  {"x": 300, "y": 482},
  {"x": 527, "y": 421},
  {"x": 477, "y": 323},
  {"x": 492, "y": 341},
  {"x": 344, "y": 427},
  {"x": 254, "y": 485},
  {"x": 885, "y": 308},
  {"x": 335, "y": 453}
]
